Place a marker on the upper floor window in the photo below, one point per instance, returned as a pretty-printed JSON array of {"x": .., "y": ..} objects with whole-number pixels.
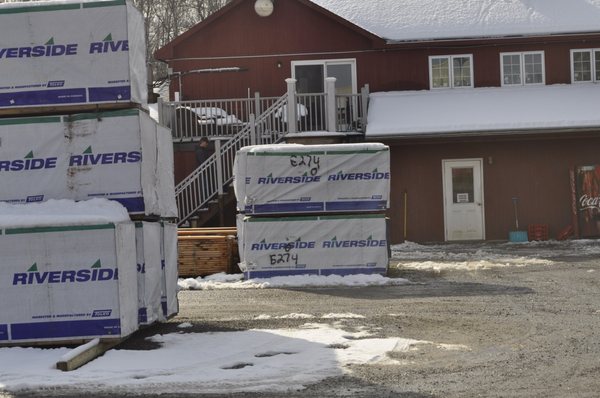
[
  {"x": 522, "y": 68},
  {"x": 447, "y": 71},
  {"x": 585, "y": 65}
]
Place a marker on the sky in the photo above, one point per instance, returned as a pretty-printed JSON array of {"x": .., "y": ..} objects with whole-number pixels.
[{"x": 267, "y": 359}]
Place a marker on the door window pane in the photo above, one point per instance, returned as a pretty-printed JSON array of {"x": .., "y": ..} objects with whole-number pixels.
[
  {"x": 343, "y": 76},
  {"x": 310, "y": 78},
  {"x": 462, "y": 185}
]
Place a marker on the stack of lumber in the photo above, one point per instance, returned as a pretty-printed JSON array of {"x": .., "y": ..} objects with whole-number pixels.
[{"x": 206, "y": 251}]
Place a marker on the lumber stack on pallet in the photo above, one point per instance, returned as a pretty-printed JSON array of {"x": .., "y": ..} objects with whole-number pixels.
[{"x": 206, "y": 251}]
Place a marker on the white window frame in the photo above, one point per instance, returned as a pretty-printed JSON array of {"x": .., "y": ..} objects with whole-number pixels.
[
  {"x": 450, "y": 59},
  {"x": 521, "y": 55},
  {"x": 593, "y": 69},
  {"x": 325, "y": 62}
]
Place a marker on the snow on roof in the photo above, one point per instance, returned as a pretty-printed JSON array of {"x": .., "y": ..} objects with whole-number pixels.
[
  {"x": 407, "y": 20},
  {"x": 38, "y": 3},
  {"x": 61, "y": 213},
  {"x": 411, "y": 113},
  {"x": 288, "y": 148}
]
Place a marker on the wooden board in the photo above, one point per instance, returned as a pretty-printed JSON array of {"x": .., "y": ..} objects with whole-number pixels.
[
  {"x": 86, "y": 354},
  {"x": 207, "y": 231},
  {"x": 67, "y": 109},
  {"x": 206, "y": 251}
]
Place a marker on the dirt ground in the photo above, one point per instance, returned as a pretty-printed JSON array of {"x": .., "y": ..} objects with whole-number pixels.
[{"x": 515, "y": 331}]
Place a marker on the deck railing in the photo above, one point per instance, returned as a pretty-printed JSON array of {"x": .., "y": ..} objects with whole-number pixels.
[
  {"x": 209, "y": 180},
  {"x": 235, "y": 123},
  {"x": 191, "y": 120}
]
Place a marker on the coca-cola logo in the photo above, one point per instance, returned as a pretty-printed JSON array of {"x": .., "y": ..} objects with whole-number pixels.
[{"x": 589, "y": 202}]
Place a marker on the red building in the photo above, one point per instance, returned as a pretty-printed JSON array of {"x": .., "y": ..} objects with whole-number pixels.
[{"x": 486, "y": 103}]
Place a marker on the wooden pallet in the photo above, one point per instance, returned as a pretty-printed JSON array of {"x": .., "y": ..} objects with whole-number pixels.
[
  {"x": 65, "y": 109},
  {"x": 207, "y": 231},
  {"x": 206, "y": 251},
  {"x": 85, "y": 353}
]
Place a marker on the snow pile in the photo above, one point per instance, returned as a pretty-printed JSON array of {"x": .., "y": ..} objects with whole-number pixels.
[
  {"x": 224, "y": 281},
  {"x": 433, "y": 19},
  {"x": 309, "y": 316},
  {"x": 460, "y": 256},
  {"x": 224, "y": 362},
  {"x": 61, "y": 213},
  {"x": 556, "y": 106}
]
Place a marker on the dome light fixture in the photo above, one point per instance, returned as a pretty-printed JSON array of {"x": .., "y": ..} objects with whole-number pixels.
[{"x": 263, "y": 8}]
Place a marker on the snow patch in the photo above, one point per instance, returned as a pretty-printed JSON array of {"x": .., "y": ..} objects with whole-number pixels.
[
  {"x": 207, "y": 362},
  {"x": 235, "y": 281}
]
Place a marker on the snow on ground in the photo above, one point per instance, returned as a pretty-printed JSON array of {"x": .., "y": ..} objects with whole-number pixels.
[
  {"x": 235, "y": 281},
  {"x": 475, "y": 256},
  {"x": 259, "y": 359},
  {"x": 223, "y": 362},
  {"x": 410, "y": 255}
]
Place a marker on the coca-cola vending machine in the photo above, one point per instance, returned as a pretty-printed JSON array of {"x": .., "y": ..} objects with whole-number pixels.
[{"x": 586, "y": 200}]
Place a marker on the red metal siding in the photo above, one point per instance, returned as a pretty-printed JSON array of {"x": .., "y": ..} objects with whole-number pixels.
[
  {"x": 296, "y": 31},
  {"x": 534, "y": 170},
  {"x": 257, "y": 44}
]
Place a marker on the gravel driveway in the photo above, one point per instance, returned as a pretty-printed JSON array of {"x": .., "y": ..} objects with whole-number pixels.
[{"x": 510, "y": 331}]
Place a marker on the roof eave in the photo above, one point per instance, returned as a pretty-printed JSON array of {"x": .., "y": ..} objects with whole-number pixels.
[
  {"x": 487, "y": 37},
  {"x": 487, "y": 133}
]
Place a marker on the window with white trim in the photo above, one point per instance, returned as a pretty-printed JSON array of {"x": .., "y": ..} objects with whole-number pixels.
[
  {"x": 523, "y": 68},
  {"x": 446, "y": 71},
  {"x": 585, "y": 65}
]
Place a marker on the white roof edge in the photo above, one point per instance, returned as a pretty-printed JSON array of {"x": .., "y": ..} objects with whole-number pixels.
[
  {"x": 484, "y": 111},
  {"x": 493, "y": 37},
  {"x": 486, "y": 133}
]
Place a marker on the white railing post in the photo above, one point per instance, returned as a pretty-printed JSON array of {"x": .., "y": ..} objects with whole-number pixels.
[
  {"x": 292, "y": 120},
  {"x": 257, "y": 107},
  {"x": 159, "y": 107},
  {"x": 253, "y": 129},
  {"x": 364, "y": 98},
  {"x": 331, "y": 107},
  {"x": 219, "y": 159}
]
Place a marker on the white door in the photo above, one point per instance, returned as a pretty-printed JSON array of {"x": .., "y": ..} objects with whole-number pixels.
[{"x": 463, "y": 199}]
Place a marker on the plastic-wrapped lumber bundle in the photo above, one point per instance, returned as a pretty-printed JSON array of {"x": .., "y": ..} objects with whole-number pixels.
[
  {"x": 71, "y": 54},
  {"x": 313, "y": 245},
  {"x": 119, "y": 155},
  {"x": 292, "y": 179},
  {"x": 148, "y": 239},
  {"x": 68, "y": 272},
  {"x": 169, "y": 257}
]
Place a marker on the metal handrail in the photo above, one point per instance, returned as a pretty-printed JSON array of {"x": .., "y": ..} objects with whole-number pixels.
[
  {"x": 201, "y": 186},
  {"x": 309, "y": 112},
  {"x": 191, "y": 120}
]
